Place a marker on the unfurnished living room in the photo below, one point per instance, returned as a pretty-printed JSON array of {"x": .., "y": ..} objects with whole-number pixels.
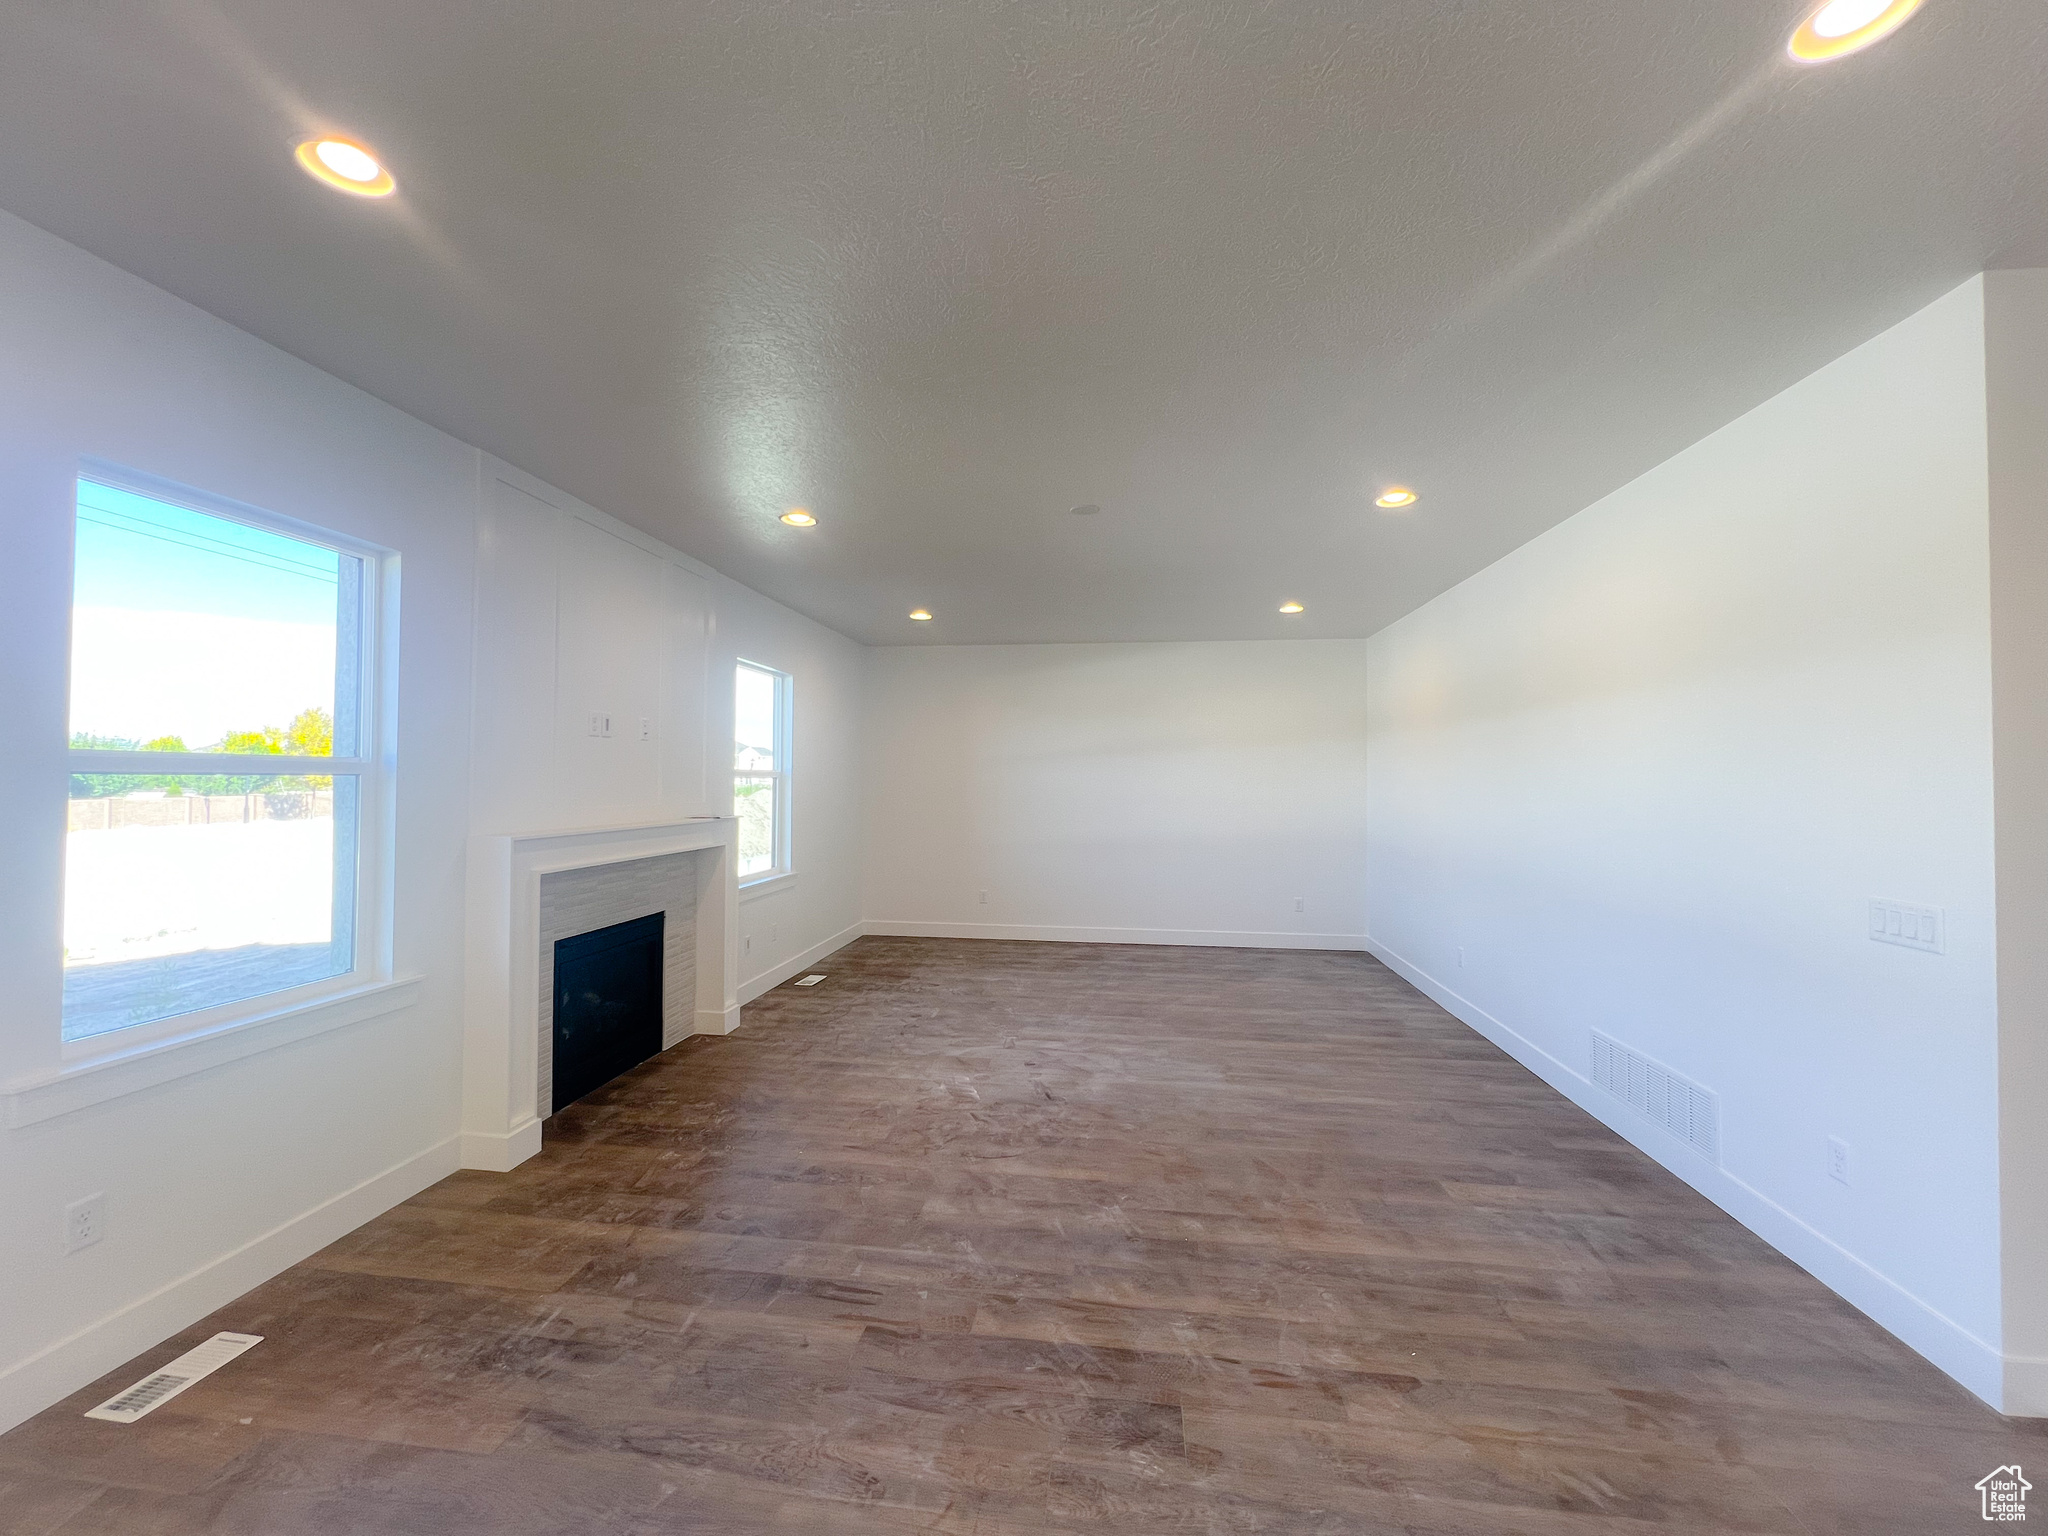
[{"x": 1011, "y": 766}]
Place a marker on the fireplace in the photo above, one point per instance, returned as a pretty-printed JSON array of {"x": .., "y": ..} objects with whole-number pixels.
[
  {"x": 595, "y": 899},
  {"x": 607, "y": 1013},
  {"x": 527, "y": 892}
]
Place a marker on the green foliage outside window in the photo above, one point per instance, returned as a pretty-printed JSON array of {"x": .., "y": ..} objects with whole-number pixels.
[
  {"x": 310, "y": 734},
  {"x": 754, "y": 803}
]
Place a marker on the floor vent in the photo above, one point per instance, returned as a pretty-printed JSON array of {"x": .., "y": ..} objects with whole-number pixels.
[
  {"x": 160, "y": 1387},
  {"x": 810, "y": 981},
  {"x": 1683, "y": 1108}
]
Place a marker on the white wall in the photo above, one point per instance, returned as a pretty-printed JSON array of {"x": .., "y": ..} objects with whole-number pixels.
[
  {"x": 1131, "y": 793},
  {"x": 216, "y": 1179},
  {"x": 1645, "y": 774},
  {"x": 2016, "y": 375},
  {"x": 220, "y": 1176},
  {"x": 788, "y": 924},
  {"x": 577, "y": 614}
]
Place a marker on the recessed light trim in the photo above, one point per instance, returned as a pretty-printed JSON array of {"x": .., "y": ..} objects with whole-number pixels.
[
  {"x": 1396, "y": 496},
  {"x": 1291, "y": 608},
  {"x": 922, "y": 615},
  {"x": 346, "y": 166},
  {"x": 798, "y": 517},
  {"x": 1843, "y": 27}
]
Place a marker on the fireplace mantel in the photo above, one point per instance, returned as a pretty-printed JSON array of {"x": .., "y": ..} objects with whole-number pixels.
[{"x": 500, "y": 1057}]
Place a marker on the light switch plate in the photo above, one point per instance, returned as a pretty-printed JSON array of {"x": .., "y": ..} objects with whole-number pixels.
[{"x": 1896, "y": 922}]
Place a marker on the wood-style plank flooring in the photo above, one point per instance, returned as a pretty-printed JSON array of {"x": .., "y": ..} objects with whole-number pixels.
[{"x": 993, "y": 1238}]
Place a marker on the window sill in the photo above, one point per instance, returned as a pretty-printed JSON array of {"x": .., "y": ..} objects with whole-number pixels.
[
  {"x": 95, "y": 1080},
  {"x": 766, "y": 885}
]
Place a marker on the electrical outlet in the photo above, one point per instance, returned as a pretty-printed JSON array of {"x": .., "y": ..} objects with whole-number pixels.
[
  {"x": 1838, "y": 1159},
  {"x": 1300, "y": 904},
  {"x": 597, "y": 725},
  {"x": 646, "y": 729},
  {"x": 85, "y": 1222},
  {"x": 984, "y": 898},
  {"x": 1461, "y": 957}
]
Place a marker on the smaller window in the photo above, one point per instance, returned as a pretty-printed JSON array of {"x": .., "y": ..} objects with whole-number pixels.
[{"x": 760, "y": 769}]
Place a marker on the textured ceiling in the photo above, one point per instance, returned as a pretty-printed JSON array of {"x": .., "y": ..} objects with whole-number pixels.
[{"x": 942, "y": 271}]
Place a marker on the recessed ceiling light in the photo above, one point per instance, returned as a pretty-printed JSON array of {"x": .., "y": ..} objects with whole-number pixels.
[
  {"x": 922, "y": 615},
  {"x": 346, "y": 166},
  {"x": 1396, "y": 496},
  {"x": 1290, "y": 608},
  {"x": 1085, "y": 511},
  {"x": 797, "y": 517},
  {"x": 1843, "y": 27}
]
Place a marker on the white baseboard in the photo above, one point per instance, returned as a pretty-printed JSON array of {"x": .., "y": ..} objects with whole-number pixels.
[
  {"x": 1971, "y": 1361},
  {"x": 770, "y": 979},
  {"x": 716, "y": 1021},
  {"x": 1214, "y": 938},
  {"x": 500, "y": 1151},
  {"x": 54, "y": 1373}
]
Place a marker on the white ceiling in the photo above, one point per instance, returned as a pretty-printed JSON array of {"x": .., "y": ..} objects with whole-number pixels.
[{"x": 941, "y": 271}]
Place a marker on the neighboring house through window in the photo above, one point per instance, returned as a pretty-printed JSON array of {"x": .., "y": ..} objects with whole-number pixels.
[
  {"x": 223, "y": 767},
  {"x": 760, "y": 782}
]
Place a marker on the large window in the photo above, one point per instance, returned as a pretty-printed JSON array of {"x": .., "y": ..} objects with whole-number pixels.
[
  {"x": 220, "y": 754},
  {"x": 760, "y": 764}
]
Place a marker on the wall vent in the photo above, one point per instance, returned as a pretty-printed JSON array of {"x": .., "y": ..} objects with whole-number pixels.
[
  {"x": 163, "y": 1385},
  {"x": 1683, "y": 1108}
]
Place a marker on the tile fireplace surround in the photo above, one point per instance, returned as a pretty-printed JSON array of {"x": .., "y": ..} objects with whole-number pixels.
[{"x": 520, "y": 885}]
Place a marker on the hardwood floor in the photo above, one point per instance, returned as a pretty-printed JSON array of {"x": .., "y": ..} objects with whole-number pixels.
[{"x": 1003, "y": 1238}]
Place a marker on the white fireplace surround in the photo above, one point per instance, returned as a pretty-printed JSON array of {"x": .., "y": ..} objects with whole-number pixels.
[
  {"x": 594, "y": 896},
  {"x": 503, "y": 1065}
]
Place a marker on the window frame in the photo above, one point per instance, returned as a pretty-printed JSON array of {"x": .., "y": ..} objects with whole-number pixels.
[
  {"x": 372, "y": 766},
  {"x": 782, "y": 865}
]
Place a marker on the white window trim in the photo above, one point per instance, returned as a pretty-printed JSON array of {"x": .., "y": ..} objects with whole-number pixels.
[
  {"x": 783, "y": 869},
  {"x": 79, "y": 1085},
  {"x": 767, "y": 884},
  {"x": 293, "y": 1012}
]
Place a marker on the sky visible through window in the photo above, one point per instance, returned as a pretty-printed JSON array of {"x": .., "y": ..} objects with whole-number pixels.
[
  {"x": 190, "y": 626},
  {"x": 754, "y": 793},
  {"x": 754, "y": 718}
]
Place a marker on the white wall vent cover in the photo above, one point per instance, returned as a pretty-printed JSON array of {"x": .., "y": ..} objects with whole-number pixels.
[
  {"x": 1683, "y": 1108},
  {"x": 163, "y": 1385}
]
